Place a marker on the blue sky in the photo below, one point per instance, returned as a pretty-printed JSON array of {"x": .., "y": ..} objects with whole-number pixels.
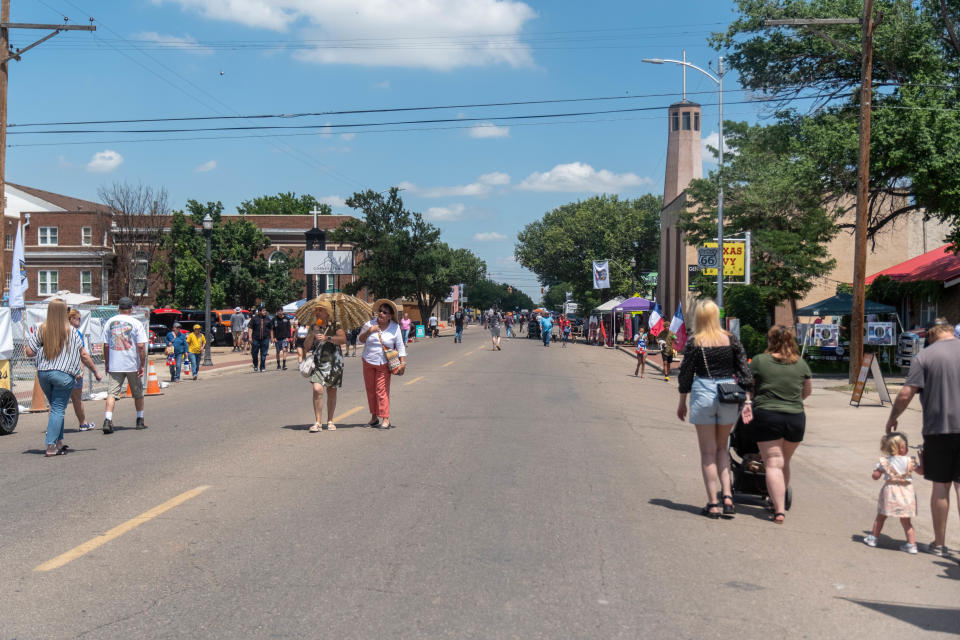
[{"x": 480, "y": 180}]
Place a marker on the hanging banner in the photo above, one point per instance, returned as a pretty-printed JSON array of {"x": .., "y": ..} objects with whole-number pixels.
[
  {"x": 826, "y": 335},
  {"x": 879, "y": 333},
  {"x": 601, "y": 274}
]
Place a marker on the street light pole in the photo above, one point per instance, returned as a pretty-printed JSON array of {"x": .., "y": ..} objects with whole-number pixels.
[
  {"x": 207, "y": 232},
  {"x": 718, "y": 79},
  {"x": 633, "y": 266}
]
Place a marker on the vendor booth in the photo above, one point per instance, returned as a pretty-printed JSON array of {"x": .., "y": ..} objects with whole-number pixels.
[{"x": 822, "y": 339}]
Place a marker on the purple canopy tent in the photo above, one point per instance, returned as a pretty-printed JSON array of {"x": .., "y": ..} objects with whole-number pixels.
[{"x": 627, "y": 306}]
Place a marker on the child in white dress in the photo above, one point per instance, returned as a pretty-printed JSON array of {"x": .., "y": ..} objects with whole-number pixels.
[{"x": 897, "y": 496}]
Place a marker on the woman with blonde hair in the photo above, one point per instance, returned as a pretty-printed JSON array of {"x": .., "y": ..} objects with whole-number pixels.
[
  {"x": 781, "y": 382},
  {"x": 59, "y": 351},
  {"x": 713, "y": 357},
  {"x": 324, "y": 341}
]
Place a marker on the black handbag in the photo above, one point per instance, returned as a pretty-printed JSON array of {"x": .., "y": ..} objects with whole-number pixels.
[{"x": 727, "y": 392}]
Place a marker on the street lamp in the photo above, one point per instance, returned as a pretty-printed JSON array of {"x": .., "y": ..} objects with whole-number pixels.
[
  {"x": 633, "y": 266},
  {"x": 207, "y": 232},
  {"x": 718, "y": 79}
]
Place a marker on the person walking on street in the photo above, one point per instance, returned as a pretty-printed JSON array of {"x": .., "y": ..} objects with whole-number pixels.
[
  {"x": 458, "y": 326},
  {"x": 508, "y": 324},
  {"x": 281, "y": 336},
  {"x": 641, "y": 350},
  {"x": 58, "y": 349},
  {"x": 566, "y": 327},
  {"x": 178, "y": 342},
  {"x": 236, "y": 329},
  {"x": 521, "y": 320},
  {"x": 261, "y": 332},
  {"x": 125, "y": 357},
  {"x": 494, "y": 320},
  {"x": 76, "y": 396},
  {"x": 712, "y": 358},
  {"x": 432, "y": 324},
  {"x": 897, "y": 495},
  {"x": 782, "y": 380},
  {"x": 667, "y": 342},
  {"x": 405, "y": 328},
  {"x": 196, "y": 342},
  {"x": 323, "y": 345},
  {"x": 935, "y": 372},
  {"x": 546, "y": 328},
  {"x": 379, "y": 336}
]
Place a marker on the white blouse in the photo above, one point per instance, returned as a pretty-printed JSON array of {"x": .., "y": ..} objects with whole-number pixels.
[{"x": 392, "y": 339}]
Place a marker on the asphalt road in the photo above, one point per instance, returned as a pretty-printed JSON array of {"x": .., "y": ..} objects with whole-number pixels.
[{"x": 526, "y": 493}]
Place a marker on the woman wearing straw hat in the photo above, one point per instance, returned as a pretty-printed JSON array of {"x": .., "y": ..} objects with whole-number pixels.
[
  {"x": 379, "y": 336},
  {"x": 324, "y": 338}
]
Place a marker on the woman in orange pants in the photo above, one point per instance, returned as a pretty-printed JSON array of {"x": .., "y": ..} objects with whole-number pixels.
[{"x": 378, "y": 336}]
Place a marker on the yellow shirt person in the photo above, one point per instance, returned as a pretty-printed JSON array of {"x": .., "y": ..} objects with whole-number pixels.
[{"x": 196, "y": 341}]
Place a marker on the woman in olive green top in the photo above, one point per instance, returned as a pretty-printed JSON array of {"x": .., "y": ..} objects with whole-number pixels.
[{"x": 781, "y": 382}]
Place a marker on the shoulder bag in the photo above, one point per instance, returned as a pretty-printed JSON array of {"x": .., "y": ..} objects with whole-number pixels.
[
  {"x": 393, "y": 356},
  {"x": 727, "y": 392},
  {"x": 309, "y": 363}
]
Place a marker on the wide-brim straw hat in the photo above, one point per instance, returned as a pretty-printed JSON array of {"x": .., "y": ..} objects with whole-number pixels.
[{"x": 390, "y": 303}]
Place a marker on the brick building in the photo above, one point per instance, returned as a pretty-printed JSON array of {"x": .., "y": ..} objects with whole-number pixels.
[{"x": 75, "y": 245}]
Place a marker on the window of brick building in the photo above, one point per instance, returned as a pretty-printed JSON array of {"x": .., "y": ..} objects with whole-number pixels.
[
  {"x": 686, "y": 121},
  {"x": 48, "y": 282},
  {"x": 140, "y": 269},
  {"x": 331, "y": 282},
  {"x": 675, "y": 120},
  {"x": 86, "y": 282},
  {"x": 9, "y": 242},
  {"x": 696, "y": 121},
  {"x": 48, "y": 236},
  {"x": 275, "y": 257},
  {"x": 86, "y": 236}
]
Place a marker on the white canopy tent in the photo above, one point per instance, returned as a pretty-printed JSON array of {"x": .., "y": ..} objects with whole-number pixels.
[{"x": 608, "y": 307}]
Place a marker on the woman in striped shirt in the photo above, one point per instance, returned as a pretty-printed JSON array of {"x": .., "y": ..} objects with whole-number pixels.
[{"x": 59, "y": 352}]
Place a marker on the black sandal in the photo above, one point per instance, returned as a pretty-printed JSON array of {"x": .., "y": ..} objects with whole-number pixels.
[
  {"x": 728, "y": 509},
  {"x": 715, "y": 515},
  {"x": 778, "y": 518}
]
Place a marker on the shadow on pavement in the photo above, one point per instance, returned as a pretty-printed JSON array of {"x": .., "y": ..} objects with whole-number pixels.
[
  {"x": 675, "y": 506},
  {"x": 305, "y": 427},
  {"x": 926, "y": 618}
]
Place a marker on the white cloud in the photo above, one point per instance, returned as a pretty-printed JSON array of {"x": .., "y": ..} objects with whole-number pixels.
[
  {"x": 481, "y": 187},
  {"x": 578, "y": 177},
  {"x": 104, "y": 161},
  {"x": 348, "y": 136},
  {"x": 488, "y": 130},
  {"x": 489, "y": 236},
  {"x": 400, "y": 33},
  {"x": 209, "y": 165},
  {"x": 712, "y": 140},
  {"x": 445, "y": 214},
  {"x": 185, "y": 43},
  {"x": 333, "y": 201}
]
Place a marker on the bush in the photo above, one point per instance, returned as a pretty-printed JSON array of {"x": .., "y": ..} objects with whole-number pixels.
[{"x": 753, "y": 341}]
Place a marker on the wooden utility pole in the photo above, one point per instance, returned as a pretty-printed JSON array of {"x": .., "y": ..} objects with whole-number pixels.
[
  {"x": 863, "y": 173},
  {"x": 6, "y": 55}
]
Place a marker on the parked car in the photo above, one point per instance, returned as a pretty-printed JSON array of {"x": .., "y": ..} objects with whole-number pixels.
[
  {"x": 157, "y": 337},
  {"x": 220, "y": 321},
  {"x": 165, "y": 316}
]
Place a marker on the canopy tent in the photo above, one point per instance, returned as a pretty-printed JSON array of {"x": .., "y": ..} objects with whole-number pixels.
[
  {"x": 842, "y": 305},
  {"x": 73, "y": 299},
  {"x": 609, "y": 305},
  {"x": 634, "y": 304},
  {"x": 293, "y": 306}
]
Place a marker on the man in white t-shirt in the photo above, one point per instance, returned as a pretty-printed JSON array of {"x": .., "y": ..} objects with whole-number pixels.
[
  {"x": 432, "y": 324},
  {"x": 125, "y": 355}
]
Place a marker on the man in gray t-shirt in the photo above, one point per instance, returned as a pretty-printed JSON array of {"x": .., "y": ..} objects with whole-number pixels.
[
  {"x": 935, "y": 374},
  {"x": 236, "y": 328}
]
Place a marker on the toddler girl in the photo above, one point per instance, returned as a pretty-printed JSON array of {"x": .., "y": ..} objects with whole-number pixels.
[
  {"x": 641, "y": 349},
  {"x": 897, "y": 497}
]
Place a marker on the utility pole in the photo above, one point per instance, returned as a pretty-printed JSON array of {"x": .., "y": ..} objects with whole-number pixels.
[
  {"x": 6, "y": 55},
  {"x": 863, "y": 173}
]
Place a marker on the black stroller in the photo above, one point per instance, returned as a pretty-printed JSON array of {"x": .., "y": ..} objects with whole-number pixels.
[{"x": 746, "y": 467}]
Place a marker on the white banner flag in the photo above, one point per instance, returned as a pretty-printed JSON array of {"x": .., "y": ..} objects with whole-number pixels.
[
  {"x": 18, "y": 273},
  {"x": 601, "y": 274}
]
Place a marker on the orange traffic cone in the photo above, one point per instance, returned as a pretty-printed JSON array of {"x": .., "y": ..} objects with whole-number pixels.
[
  {"x": 39, "y": 402},
  {"x": 153, "y": 382}
]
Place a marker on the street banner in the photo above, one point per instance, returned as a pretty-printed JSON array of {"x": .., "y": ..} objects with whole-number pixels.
[
  {"x": 18, "y": 272},
  {"x": 601, "y": 274},
  {"x": 327, "y": 262},
  {"x": 678, "y": 327},
  {"x": 826, "y": 335},
  {"x": 879, "y": 333},
  {"x": 655, "y": 322}
]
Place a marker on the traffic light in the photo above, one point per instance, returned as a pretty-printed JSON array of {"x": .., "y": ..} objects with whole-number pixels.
[{"x": 509, "y": 289}]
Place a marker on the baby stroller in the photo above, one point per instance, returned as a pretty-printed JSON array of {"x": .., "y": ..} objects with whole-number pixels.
[{"x": 746, "y": 466}]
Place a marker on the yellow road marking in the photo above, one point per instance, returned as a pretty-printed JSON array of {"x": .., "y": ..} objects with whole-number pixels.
[
  {"x": 448, "y": 364},
  {"x": 467, "y": 353},
  {"x": 119, "y": 530},
  {"x": 407, "y": 384},
  {"x": 347, "y": 414}
]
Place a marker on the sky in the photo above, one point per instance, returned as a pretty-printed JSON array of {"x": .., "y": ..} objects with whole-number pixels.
[{"x": 480, "y": 173}]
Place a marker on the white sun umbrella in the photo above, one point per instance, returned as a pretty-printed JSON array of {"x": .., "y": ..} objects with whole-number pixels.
[
  {"x": 73, "y": 299},
  {"x": 293, "y": 306}
]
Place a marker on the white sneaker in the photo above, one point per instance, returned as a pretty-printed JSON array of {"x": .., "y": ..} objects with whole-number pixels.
[
  {"x": 908, "y": 547},
  {"x": 870, "y": 540}
]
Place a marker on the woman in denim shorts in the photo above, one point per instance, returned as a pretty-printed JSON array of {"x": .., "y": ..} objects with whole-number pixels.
[{"x": 712, "y": 357}]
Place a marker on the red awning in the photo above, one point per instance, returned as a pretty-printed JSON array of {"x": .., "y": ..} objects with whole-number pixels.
[{"x": 939, "y": 265}]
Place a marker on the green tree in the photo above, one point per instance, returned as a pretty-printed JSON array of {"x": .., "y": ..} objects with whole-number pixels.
[
  {"x": 403, "y": 254},
  {"x": 771, "y": 189},
  {"x": 485, "y": 294},
  {"x": 561, "y": 246},
  {"x": 915, "y": 146},
  {"x": 284, "y": 204},
  {"x": 556, "y": 295}
]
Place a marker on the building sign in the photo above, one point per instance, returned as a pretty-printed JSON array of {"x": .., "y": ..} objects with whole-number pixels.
[
  {"x": 734, "y": 259},
  {"x": 325, "y": 262}
]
